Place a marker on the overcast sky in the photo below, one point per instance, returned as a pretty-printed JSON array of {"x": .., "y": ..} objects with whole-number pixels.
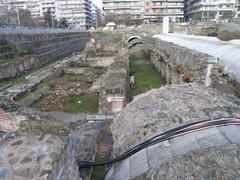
[{"x": 98, "y": 3}]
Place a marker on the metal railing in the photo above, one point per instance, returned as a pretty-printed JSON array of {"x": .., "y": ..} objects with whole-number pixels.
[{"x": 36, "y": 28}]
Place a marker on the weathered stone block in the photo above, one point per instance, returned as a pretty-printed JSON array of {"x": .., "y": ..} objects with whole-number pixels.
[
  {"x": 232, "y": 133},
  {"x": 159, "y": 153},
  {"x": 210, "y": 138},
  {"x": 139, "y": 163},
  {"x": 184, "y": 144},
  {"x": 122, "y": 170}
]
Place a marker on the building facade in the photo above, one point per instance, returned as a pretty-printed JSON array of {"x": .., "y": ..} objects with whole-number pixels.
[
  {"x": 155, "y": 10},
  {"x": 47, "y": 5},
  {"x": 77, "y": 12},
  {"x": 3, "y": 7},
  {"x": 237, "y": 9},
  {"x": 96, "y": 16},
  {"x": 152, "y": 11},
  {"x": 132, "y": 7},
  {"x": 148, "y": 10},
  {"x": 33, "y": 6},
  {"x": 210, "y": 9}
]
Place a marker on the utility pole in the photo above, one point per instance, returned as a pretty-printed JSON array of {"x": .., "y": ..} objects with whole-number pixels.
[
  {"x": 52, "y": 19},
  {"x": 97, "y": 21}
]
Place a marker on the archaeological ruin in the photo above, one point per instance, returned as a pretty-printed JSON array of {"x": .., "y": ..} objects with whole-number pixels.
[{"x": 119, "y": 105}]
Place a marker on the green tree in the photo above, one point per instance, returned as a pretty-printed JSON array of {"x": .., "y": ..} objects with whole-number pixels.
[{"x": 63, "y": 23}]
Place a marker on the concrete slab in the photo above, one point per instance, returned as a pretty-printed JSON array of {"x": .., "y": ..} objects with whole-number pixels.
[
  {"x": 210, "y": 137},
  {"x": 110, "y": 174},
  {"x": 232, "y": 133},
  {"x": 159, "y": 153},
  {"x": 122, "y": 170},
  {"x": 138, "y": 163},
  {"x": 184, "y": 144}
]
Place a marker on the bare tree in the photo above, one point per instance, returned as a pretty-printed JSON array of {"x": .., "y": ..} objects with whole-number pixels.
[
  {"x": 10, "y": 17},
  {"x": 123, "y": 18}
]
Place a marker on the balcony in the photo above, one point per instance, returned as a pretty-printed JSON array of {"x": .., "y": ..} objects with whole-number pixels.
[
  {"x": 166, "y": 6},
  {"x": 111, "y": 1},
  {"x": 180, "y": 13},
  {"x": 181, "y": 1}
]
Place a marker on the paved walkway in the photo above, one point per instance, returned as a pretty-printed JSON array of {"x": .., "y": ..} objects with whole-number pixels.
[
  {"x": 69, "y": 117},
  {"x": 146, "y": 161}
]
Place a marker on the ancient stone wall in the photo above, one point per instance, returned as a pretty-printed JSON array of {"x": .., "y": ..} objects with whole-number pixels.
[
  {"x": 38, "y": 157},
  {"x": 178, "y": 65},
  {"x": 41, "y": 49},
  {"x": 114, "y": 86},
  {"x": 161, "y": 109}
]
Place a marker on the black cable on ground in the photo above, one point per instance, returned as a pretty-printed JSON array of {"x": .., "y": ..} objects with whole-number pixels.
[{"x": 167, "y": 135}]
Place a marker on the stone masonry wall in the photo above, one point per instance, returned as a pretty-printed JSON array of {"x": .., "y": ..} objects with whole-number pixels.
[
  {"x": 42, "y": 48},
  {"x": 178, "y": 65},
  {"x": 113, "y": 84},
  {"x": 38, "y": 158}
]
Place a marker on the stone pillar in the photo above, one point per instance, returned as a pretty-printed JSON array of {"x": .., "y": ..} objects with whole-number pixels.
[
  {"x": 166, "y": 25},
  {"x": 210, "y": 62},
  {"x": 168, "y": 74}
]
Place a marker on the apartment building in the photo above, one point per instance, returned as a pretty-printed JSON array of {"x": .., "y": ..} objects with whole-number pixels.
[
  {"x": 155, "y": 10},
  {"x": 237, "y": 9},
  {"x": 96, "y": 16},
  {"x": 32, "y": 5},
  {"x": 149, "y": 11},
  {"x": 47, "y": 5},
  {"x": 3, "y": 7},
  {"x": 210, "y": 9},
  {"x": 77, "y": 12},
  {"x": 132, "y": 7}
]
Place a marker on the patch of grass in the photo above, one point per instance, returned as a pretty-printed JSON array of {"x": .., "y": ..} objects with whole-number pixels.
[
  {"x": 45, "y": 82},
  {"x": 99, "y": 172},
  {"x": 82, "y": 103},
  {"x": 213, "y": 27},
  {"x": 146, "y": 76},
  {"x": 13, "y": 60},
  {"x": 103, "y": 152},
  {"x": 112, "y": 36},
  {"x": 4, "y": 83},
  {"x": 24, "y": 52},
  {"x": 24, "y": 95}
]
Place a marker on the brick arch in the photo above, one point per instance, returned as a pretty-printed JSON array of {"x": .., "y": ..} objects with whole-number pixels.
[
  {"x": 134, "y": 44},
  {"x": 132, "y": 38}
]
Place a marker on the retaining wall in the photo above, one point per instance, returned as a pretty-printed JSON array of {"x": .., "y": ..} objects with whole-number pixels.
[
  {"x": 42, "y": 48},
  {"x": 181, "y": 65}
]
